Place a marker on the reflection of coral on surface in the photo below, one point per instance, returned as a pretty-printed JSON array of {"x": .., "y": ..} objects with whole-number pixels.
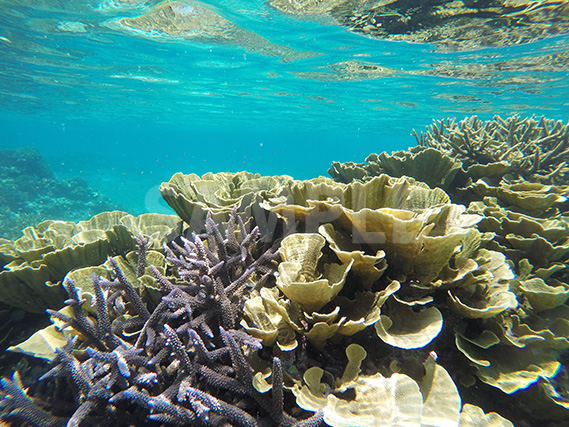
[
  {"x": 195, "y": 21},
  {"x": 30, "y": 193},
  {"x": 456, "y": 25}
]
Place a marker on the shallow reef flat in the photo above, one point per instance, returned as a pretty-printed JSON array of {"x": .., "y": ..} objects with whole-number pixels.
[{"x": 426, "y": 287}]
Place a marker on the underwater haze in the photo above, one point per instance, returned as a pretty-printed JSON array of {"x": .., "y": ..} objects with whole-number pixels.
[{"x": 127, "y": 105}]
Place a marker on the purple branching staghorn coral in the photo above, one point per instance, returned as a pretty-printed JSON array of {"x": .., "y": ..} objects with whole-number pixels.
[{"x": 182, "y": 362}]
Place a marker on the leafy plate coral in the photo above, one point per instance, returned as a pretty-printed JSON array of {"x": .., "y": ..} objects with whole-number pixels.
[
  {"x": 424, "y": 164},
  {"x": 192, "y": 197},
  {"x": 37, "y": 261}
]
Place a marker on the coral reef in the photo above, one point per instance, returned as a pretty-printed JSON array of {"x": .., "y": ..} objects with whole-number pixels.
[
  {"x": 523, "y": 150},
  {"x": 33, "y": 265},
  {"x": 496, "y": 168},
  {"x": 375, "y": 301},
  {"x": 411, "y": 233},
  {"x": 30, "y": 193},
  {"x": 129, "y": 363}
]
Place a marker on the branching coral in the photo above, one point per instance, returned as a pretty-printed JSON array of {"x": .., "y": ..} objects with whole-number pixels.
[
  {"x": 132, "y": 363},
  {"x": 536, "y": 149}
]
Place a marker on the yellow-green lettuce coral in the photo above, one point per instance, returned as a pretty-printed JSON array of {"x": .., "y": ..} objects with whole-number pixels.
[
  {"x": 299, "y": 277},
  {"x": 192, "y": 196},
  {"x": 416, "y": 227},
  {"x": 307, "y": 298},
  {"x": 47, "y": 252},
  {"x": 424, "y": 164},
  {"x": 396, "y": 400}
]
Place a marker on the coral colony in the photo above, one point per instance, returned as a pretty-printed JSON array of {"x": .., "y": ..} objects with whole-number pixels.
[
  {"x": 130, "y": 365},
  {"x": 374, "y": 299}
]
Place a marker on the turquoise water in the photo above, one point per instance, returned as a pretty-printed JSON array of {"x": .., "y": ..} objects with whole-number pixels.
[{"x": 126, "y": 110}]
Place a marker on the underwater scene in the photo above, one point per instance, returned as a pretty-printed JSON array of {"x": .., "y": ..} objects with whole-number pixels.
[{"x": 264, "y": 213}]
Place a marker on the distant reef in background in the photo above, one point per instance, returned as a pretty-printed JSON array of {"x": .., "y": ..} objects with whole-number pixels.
[{"x": 30, "y": 193}]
